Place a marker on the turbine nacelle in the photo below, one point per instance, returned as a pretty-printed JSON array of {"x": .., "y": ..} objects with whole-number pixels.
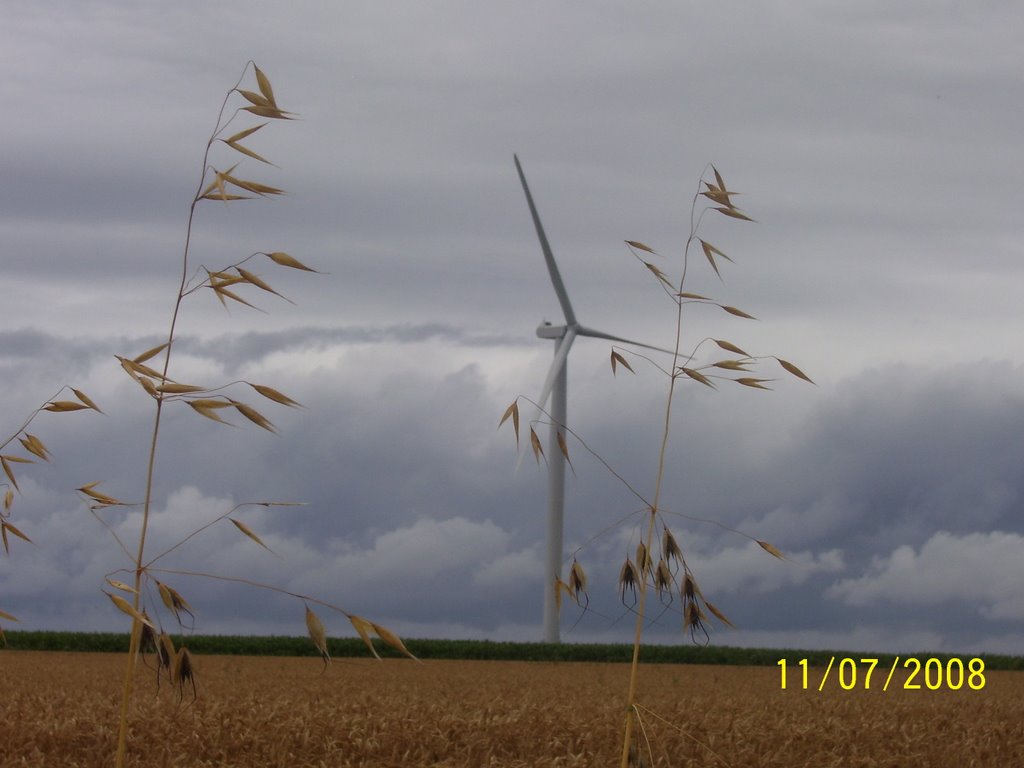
[{"x": 548, "y": 331}]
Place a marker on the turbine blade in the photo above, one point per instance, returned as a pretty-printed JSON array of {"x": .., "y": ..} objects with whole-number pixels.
[
  {"x": 549, "y": 257},
  {"x": 561, "y": 353},
  {"x": 556, "y": 366},
  {"x": 582, "y": 330}
]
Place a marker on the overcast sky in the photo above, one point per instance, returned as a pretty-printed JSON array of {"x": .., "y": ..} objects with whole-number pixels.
[{"x": 877, "y": 145}]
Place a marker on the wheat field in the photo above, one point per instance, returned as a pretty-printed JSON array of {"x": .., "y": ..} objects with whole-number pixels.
[{"x": 61, "y": 709}]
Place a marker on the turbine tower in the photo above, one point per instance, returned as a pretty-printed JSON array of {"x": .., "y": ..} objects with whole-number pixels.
[{"x": 555, "y": 386}]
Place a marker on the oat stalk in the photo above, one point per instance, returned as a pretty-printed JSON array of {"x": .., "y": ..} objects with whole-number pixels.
[
  {"x": 157, "y": 382},
  {"x": 665, "y": 569},
  {"x": 32, "y": 450},
  {"x": 229, "y": 285},
  {"x": 683, "y": 369}
]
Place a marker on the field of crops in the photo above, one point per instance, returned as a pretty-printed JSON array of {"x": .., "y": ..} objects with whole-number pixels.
[{"x": 60, "y": 709}]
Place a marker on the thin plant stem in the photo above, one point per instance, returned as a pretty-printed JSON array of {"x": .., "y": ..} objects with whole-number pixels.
[
  {"x": 652, "y": 517},
  {"x": 31, "y": 418},
  {"x": 136, "y": 632},
  {"x": 719, "y": 194}
]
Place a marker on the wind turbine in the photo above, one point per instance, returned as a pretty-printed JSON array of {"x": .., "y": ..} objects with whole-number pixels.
[{"x": 555, "y": 387}]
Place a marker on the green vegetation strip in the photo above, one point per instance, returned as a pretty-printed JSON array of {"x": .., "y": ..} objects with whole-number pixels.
[{"x": 244, "y": 645}]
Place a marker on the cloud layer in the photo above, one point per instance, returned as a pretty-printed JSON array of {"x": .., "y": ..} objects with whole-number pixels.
[{"x": 875, "y": 146}]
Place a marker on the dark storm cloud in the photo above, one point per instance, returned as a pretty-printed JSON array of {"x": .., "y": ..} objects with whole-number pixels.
[
  {"x": 411, "y": 494},
  {"x": 876, "y": 147}
]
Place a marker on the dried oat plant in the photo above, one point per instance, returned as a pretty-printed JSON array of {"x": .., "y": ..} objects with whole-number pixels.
[
  {"x": 143, "y": 588},
  {"x": 659, "y": 564},
  {"x": 32, "y": 450}
]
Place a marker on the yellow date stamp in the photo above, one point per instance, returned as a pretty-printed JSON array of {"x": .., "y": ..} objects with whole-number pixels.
[{"x": 930, "y": 674}]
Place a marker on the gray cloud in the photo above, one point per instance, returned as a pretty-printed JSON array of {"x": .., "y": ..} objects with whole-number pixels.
[
  {"x": 874, "y": 145},
  {"x": 979, "y": 569}
]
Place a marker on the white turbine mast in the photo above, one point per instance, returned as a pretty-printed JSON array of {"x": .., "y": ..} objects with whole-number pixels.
[{"x": 555, "y": 387}]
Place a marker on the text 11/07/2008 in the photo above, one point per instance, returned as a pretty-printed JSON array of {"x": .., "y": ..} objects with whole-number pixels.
[{"x": 932, "y": 674}]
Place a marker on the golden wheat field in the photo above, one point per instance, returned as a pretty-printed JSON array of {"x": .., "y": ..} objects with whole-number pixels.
[{"x": 60, "y": 709}]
